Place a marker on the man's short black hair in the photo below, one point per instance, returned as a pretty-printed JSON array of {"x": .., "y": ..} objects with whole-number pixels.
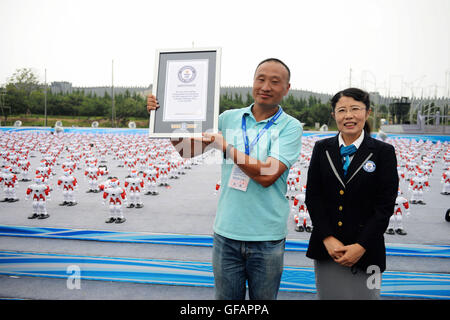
[{"x": 276, "y": 60}]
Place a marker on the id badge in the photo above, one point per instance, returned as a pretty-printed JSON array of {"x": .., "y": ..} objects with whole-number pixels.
[{"x": 238, "y": 179}]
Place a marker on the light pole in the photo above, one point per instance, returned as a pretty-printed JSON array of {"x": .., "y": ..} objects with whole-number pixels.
[
  {"x": 112, "y": 95},
  {"x": 45, "y": 97},
  {"x": 375, "y": 94}
]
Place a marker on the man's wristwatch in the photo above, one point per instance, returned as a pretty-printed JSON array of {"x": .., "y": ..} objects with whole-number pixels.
[{"x": 227, "y": 153}]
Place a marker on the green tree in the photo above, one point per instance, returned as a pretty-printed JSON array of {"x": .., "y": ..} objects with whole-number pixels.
[{"x": 19, "y": 88}]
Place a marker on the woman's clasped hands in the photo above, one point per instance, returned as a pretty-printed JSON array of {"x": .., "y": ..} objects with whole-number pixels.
[{"x": 345, "y": 255}]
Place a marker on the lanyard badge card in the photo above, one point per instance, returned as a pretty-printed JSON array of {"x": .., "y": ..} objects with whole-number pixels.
[{"x": 238, "y": 179}]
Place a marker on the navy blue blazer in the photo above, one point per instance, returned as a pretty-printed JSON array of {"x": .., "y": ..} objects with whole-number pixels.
[{"x": 355, "y": 208}]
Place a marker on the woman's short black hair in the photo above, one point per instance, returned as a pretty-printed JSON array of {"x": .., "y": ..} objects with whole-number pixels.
[
  {"x": 355, "y": 93},
  {"x": 358, "y": 95}
]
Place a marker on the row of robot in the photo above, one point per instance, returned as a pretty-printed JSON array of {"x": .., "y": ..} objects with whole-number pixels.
[
  {"x": 149, "y": 163},
  {"x": 416, "y": 161}
]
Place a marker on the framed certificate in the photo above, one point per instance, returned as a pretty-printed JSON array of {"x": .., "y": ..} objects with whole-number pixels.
[{"x": 187, "y": 86}]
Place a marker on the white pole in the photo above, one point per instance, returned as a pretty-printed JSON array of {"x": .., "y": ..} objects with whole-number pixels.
[
  {"x": 112, "y": 95},
  {"x": 350, "y": 79},
  {"x": 45, "y": 97}
]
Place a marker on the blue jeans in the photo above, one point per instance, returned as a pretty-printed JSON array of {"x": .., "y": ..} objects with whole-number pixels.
[{"x": 258, "y": 262}]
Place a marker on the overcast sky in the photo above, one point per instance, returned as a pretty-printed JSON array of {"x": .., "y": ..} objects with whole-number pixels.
[{"x": 396, "y": 46}]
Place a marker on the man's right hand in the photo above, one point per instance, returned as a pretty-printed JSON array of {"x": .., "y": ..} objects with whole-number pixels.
[{"x": 152, "y": 103}]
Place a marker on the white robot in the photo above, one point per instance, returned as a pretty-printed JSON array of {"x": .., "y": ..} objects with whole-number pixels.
[
  {"x": 120, "y": 157},
  {"x": 446, "y": 182},
  {"x": 5, "y": 158},
  {"x": 173, "y": 168},
  {"x": 102, "y": 152},
  {"x": 92, "y": 173},
  {"x": 76, "y": 157},
  {"x": 134, "y": 185},
  {"x": 24, "y": 166},
  {"x": 69, "y": 184},
  {"x": 301, "y": 215},
  {"x": 69, "y": 164},
  {"x": 130, "y": 164},
  {"x": 395, "y": 222},
  {"x": 44, "y": 171},
  {"x": 292, "y": 184},
  {"x": 417, "y": 185},
  {"x": 163, "y": 172},
  {"x": 141, "y": 161},
  {"x": 40, "y": 192},
  {"x": 151, "y": 179},
  {"x": 9, "y": 181},
  {"x": 116, "y": 197},
  {"x": 411, "y": 166}
]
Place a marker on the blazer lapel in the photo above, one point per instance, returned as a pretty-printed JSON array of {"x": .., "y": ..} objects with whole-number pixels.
[
  {"x": 360, "y": 156},
  {"x": 333, "y": 151}
]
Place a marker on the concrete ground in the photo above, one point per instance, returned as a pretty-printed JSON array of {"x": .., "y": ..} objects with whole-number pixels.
[{"x": 187, "y": 206}]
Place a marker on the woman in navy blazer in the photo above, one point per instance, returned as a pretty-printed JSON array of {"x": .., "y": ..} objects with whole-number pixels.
[{"x": 350, "y": 194}]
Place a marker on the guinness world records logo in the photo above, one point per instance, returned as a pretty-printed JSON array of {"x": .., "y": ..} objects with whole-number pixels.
[{"x": 187, "y": 74}]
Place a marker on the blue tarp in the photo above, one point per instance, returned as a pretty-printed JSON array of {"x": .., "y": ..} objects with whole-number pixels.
[
  {"x": 194, "y": 273},
  {"x": 411, "y": 250}
]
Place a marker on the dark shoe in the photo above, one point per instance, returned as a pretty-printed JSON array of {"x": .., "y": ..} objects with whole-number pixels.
[
  {"x": 70, "y": 204},
  {"x": 64, "y": 203},
  {"x": 390, "y": 231},
  {"x": 120, "y": 220},
  {"x": 131, "y": 205},
  {"x": 139, "y": 205},
  {"x": 110, "y": 220},
  {"x": 401, "y": 232},
  {"x": 43, "y": 216},
  {"x": 33, "y": 216},
  {"x": 299, "y": 228},
  {"x": 308, "y": 229}
]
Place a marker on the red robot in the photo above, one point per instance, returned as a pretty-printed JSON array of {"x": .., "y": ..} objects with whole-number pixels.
[
  {"x": 69, "y": 184},
  {"x": 40, "y": 192},
  {"x": 9, "y": 180},
  {"x": 116, "y": 197},
  {"x": 395, "y": 222},
  {"x": 134, "y": 185}
]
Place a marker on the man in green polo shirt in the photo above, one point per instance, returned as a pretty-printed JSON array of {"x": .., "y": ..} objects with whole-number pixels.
[{"x": 260, "y": 144}]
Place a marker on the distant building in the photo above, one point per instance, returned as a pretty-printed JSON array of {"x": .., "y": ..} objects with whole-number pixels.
[
  {"x": 61, "y": 87},
  {"x": 66, "y": 87}
]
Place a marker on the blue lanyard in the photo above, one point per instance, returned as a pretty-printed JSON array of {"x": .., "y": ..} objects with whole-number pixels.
[{"x": 248, "y": 147}]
